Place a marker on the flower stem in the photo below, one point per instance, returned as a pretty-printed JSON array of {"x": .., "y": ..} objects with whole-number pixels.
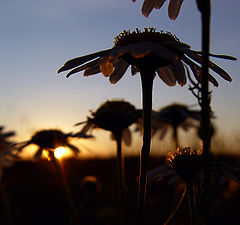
[
  {"x": 120, "y": 174},
  {"x": 147, "y": 86},
  {"x": 191, "y": 202},
  {"x": 61, "y": 176}
]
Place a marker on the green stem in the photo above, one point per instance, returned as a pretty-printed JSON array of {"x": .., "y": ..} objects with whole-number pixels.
[
  {"x": 62, "y": 179},
  {"x": 147, "y": 86},
  {"x": 175, "y": 136}
]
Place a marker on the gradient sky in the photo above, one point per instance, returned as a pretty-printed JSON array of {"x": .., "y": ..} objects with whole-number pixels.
[{"x": 37, "y": 37}]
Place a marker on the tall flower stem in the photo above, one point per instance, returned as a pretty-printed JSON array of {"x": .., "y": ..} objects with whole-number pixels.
[
  {"x": 62, "y": 179},
  {"x": 120, "y": 174},
  {"x": 206, "y": 110},
  {"x": 147, "y": 86},
  {"x": 191, "y": 202}
]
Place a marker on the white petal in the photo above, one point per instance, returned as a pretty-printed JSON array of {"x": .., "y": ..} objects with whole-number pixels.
[
  {"x": 106, "y": 66},
  {"x": 148, "y": 6},
  {"x": 127, "y": 137},
  {"x": 179, "y": 72},
  {"x": 174, "y": 8},
  {"x": 118, "y": 72},
  {"x": 167, "y": 76},
  {"x": 92, "y": 70}
]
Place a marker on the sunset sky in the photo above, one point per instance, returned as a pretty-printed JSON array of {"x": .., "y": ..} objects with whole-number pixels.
[{"x": 37, "y": 37}]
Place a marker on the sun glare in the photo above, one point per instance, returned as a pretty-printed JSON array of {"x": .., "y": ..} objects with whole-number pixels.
[{"x": 60, "y": 152}]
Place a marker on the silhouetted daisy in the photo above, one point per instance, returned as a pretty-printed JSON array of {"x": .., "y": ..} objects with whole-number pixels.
[
  {"x": 173, "y": 7},
  {"x": 175, "y": 116},
  {"x": 115, "y": 116},
  {"x": 148, "y": 52},
  {"x": 7, "y": 154},
  {"x": 49, "y": 140}
]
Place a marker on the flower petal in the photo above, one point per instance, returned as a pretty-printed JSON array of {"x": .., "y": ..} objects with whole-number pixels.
[
  {"x": 127, "y": 137},
  {"x": 73, "y": 148},
  {"x": 197, "y": 71},
  {"x": 119, "y": 71},
  {"x": 148, "y": 6},
  {"x": 179, "y": 72},
  {"x": 212, "y": 65},
  {"x": 167, "y": 76},
  {"x": 38, "y": 153},
  {"x": 174, "y": 8},
  {"x": 106, "y": 66},
  {"x": 92, "y": 70},
  {"x": 83, "y": 67},
  {"x": 80, "y": 60},
  {"x": 228, "y": 57}
]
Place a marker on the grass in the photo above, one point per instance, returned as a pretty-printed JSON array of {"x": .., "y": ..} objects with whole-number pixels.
[{"x": 36, "y": 197}]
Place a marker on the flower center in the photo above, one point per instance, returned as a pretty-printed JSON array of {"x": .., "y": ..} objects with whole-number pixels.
[{"x": 149, "y": 34}]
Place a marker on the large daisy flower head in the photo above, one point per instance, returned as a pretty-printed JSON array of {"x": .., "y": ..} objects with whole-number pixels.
[
  {"x": 157, "y": 51},
  {"x": 49, "y": 140},
  {"x": 187, "y": 163},
  {"x": 115, "y": 116}
]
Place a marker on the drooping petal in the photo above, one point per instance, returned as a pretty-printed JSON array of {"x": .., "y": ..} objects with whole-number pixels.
[
  {"x": 197, "y": 71},
  {"x": 81, "y": 60},
  {"x": 73, "y": 148},
  {"x": 38, "y": 153},
  {"x": 179, "y": 72},
  {"x": 106, "y": 66},
  {"x": 119, "y": 71},
  {"x": 228, "y": 57},
  {"x": 212, "y": 66},
  {"x": 148, "y": 6},
  {"x": 83, "y": 67},
  {"x": 174, "y": 8},
  {"x": 127, "y": 137},
  {"x": 92, "y": 70},
  {"x": 166, "y": 75}
]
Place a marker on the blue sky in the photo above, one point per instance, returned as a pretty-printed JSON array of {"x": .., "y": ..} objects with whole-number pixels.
[{"x": 37, "y": 37}]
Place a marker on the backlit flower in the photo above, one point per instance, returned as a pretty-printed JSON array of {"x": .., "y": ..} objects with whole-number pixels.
[
  {"x": 7, "y": 154},
  {"x": 173, "y": 7},
  {"x": 160, "y": 50},
  {"x": 115, "y": 116},
  {"x": 175, "y": 116},
  {"x": 49, "y": 140}
]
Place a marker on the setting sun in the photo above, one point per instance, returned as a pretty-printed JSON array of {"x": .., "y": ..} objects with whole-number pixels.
[{"x": 60, "y": 152}]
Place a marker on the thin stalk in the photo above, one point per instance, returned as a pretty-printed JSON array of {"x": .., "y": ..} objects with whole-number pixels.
[
  {"x": 191, "y": 203},
  {"x": 205, "y": 110},
  {"x": 175, "y": 136},
  {"x": 147, "y": 86},
  {"x": 61, "y": 176},
  {"x": 120, "y": 175}
]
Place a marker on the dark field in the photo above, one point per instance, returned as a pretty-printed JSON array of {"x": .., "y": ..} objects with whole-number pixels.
[{"x": 35, "y": 195}]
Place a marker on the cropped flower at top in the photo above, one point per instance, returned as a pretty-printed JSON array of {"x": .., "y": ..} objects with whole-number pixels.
[
  {"x": 160, "y": 51},
  {"x": 173, "y": 7}
]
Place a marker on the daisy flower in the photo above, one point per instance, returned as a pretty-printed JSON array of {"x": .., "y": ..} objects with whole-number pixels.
[
  {"x": 147, "y": 52},
  {"x": 49, "y": 140},
  {"x": 115, "y": 116},
  {"x": 175, "y": 116},
  {"x": 173, "y": 7},
  {"x": 7, "y": 155}
]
